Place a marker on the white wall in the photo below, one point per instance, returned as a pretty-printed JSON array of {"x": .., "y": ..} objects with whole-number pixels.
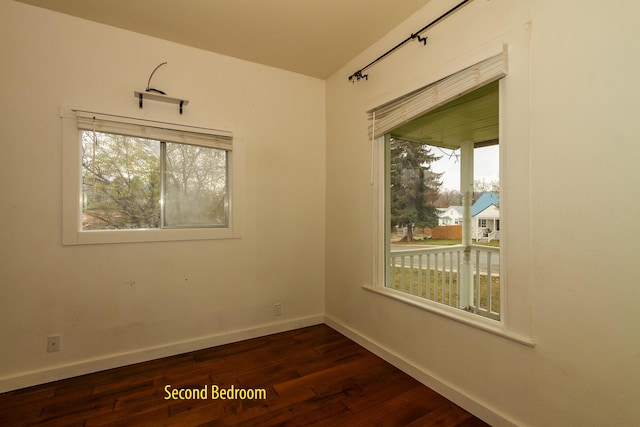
[
  {"x": 116, "y": 304},
  {"x": 573, "y": 273},
  {"x": 122, "y": 303}
]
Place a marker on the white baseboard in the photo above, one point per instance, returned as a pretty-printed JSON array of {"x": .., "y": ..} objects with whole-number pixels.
[
  {"x": 461, "y": 399},
  {"x": 458, "y": 397},
  {"x": 118, "y": 360}
]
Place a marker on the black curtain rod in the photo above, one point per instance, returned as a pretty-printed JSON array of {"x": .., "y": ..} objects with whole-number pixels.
[{"x": 358, "y": 74}]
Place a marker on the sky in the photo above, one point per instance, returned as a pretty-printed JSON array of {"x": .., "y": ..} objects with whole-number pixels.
[{"x": 486, "y": 165}]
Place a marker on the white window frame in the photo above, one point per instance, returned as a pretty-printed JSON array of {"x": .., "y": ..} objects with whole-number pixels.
[
  {"x": 72, "y": 232},
  {"x": 515, "y": 262}
]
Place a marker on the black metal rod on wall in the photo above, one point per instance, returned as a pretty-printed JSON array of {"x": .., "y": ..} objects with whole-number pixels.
[{"x": 358, "y": 74}]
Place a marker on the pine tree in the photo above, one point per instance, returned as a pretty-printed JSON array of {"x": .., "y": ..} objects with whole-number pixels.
[{"x": 414, "y": 186}]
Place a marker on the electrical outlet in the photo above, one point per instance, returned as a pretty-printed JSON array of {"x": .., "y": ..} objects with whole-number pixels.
[
  {"x": 277, "y": 309},
  {"x": 53, "y": 343}
]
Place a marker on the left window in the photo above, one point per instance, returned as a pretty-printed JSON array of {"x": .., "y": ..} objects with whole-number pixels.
[{"x": 130, "y": 180}]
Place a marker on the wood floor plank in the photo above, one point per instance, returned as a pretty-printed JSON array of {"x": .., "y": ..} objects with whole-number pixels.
[{"x": 311, "y": 376}]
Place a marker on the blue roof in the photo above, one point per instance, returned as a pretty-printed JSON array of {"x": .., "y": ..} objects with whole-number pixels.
[{"x": 486, "y": 200}]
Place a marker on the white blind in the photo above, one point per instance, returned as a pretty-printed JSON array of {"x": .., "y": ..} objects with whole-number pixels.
[
  {"x": 408, "y": 107},
  {"x": 154, "y": 130}
]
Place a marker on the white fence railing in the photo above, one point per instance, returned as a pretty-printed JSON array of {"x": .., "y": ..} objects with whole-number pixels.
[{"x": 469, "y": 280}]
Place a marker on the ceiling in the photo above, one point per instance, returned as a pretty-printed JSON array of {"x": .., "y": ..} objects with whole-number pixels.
[
  {"x": 472, "y": 117},
  {"x": 312, "y": 37}
]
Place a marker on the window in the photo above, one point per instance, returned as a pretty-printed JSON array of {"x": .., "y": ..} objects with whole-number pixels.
[
  {"x": 455, "y": 117},
  {"x": 451, "y": 82},
  {"x": 453, "y": 269},
  {"x": 132, "y": 180},
  {"x": 138, "y": 183}
]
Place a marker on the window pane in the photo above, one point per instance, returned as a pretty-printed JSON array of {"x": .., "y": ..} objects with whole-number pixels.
[
  {"x": 120, "y": 182},
  {"x": 195, "y": 186}
]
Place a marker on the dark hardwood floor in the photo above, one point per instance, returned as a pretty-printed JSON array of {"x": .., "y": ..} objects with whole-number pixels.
[{"x": 310, "y": 376}]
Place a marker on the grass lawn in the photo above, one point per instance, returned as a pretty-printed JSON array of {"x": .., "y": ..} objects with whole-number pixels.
[{"x": 442, "y": 286}]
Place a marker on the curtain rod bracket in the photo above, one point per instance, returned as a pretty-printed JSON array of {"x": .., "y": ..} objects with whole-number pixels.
[
  {"x": 423, "y": 40},
  {"x": 358, "y": 74}
]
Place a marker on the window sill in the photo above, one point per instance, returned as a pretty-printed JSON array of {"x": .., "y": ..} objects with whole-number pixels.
[
  {"x": 135, "y": 236},
  {"x": 468, "y": 319}
]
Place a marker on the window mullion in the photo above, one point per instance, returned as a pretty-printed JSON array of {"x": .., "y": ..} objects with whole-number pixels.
[
  {"x": 227, "y": 201},
  {"x": 389, "y": 267},
  {"x": 163, "y": 156}
]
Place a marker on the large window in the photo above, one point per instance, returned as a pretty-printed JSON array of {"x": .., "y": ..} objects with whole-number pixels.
[
  {"x": 430, "y": 169},
  {"x": 507, "y": 209},
  {"x": 139, "y": 181},
  {"x": 443, "y": 269}
]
